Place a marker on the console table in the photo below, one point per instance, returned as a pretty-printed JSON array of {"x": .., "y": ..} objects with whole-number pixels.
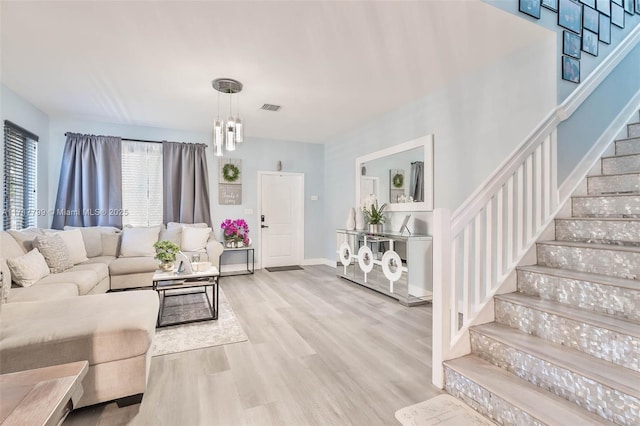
[
  {"x": 247, "y": 250},
  {"x": 399, "y": 266},
  {"x": 43, "y": 396}
]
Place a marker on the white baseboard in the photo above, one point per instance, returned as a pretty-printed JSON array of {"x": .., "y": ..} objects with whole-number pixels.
[
  {"x": 319, "y": 261},
  {"x": 572, "y": 182}
]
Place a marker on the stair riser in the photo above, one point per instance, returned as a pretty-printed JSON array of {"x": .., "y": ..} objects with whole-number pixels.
[
  {"x": 619, "y": 165},
  {"x": 596, "y": 297},
  {"x": 593, "y": 396},
  {"x": 485, "y": 402},
  {"x": 615, "y": 263},
  {"x": 618, "y": 184},
  {"x": 599, "y": 231},
  {"x": 633, "y": 130},
  {"x": 606, "y": 206},
  {"x": 605, "y": 344},
  {"x": 628, "y": 147}
]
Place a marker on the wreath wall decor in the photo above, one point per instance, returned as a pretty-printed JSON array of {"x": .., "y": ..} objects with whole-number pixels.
[
  {"x": 398, "y": 180},
  {"x": 230, "y": 172}
]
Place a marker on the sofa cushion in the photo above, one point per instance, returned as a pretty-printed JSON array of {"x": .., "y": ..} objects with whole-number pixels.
[
  {"x": 99, "y": 328},
  {"x": 139, "y": 241},
  {"x": 173, "y": 225},
  {"x": 171, "y": 234},
  {"x": 29, "y": 268},
  {"x": 85, "y": 280},
  {"x": 9, "y": 247},
  {"x": 75, "y": 244},
  {"x": 54, "y": 251},
  {"x": 92, "y": 237},
  {"x": 6, "y": 280},
  {"x": 132, "y": 265},
  {"x": 111, "y": 244},
  {"x": 100, "y": 269},
  {"x": 42, "y": 292},
  {"x": 25, "y": 237},
  {"x": 194, "y": 239},
  {"x": 100, "y": 259}
]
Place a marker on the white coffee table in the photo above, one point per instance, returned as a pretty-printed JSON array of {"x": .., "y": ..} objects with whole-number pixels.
[{"x": 164, "y": 282}]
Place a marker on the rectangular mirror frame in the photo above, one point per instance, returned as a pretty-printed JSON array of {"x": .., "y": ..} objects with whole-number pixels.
[{"x": 427, "y": 143}]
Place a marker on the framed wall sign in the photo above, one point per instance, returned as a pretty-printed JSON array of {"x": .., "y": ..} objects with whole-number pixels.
[
  {"x": 590, "y": 19},
  {"x": 590, "y": 42},
  {"x": 571, "y": 44},
  {"x": 570, "y": 69},
  {"x": 617, "y": 15},
  {"x": 604, "y": 6},
  {"x": 530, "y": 7},
  {"x": 604, "y": 30},
  {"x": 570, "y": 15}
]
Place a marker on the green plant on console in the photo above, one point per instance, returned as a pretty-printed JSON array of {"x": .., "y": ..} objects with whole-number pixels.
[
  {"x": 375, "y": 214},
  {"x": 166, "y": 251}
]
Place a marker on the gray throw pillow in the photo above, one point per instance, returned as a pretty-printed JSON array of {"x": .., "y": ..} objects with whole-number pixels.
[{"x": 55, "y": 252}]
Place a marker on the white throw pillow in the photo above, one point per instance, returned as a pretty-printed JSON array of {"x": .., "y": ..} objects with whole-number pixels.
[
  {"x": 138, "y": 242},
  {"x": 92, "y": 237},
  {"x": 173, "y": 225},
  {"x": 194, "y": 239},
  {"x": 75, "y": 244},
  {"x": 29, "y": 268},
  {"x": 171, "y": 234}
]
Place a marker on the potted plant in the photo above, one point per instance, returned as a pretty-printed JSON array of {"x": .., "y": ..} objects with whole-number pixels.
[
  {"x": 236, "y": 233},
  {"x": 374, "y": 214},
  {"x": 166, "y": 253}
]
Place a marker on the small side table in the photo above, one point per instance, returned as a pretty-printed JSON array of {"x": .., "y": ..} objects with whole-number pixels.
[
  {"x": 247, "y": 250},
  {"x": 42, "y": 396}
]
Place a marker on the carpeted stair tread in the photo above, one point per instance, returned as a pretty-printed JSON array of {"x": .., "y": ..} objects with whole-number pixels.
[
  {"x": 597, "y": 319},
  {"x": 604, "y": 372},
  {"x": 583, "y": 276},
  {"x": 540, "y": 404}
]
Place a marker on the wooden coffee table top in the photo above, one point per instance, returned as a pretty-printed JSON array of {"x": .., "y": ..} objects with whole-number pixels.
[{"x": 42, "y": 396}]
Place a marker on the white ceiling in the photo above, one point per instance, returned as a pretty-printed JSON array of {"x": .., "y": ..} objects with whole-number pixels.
[{"x": 332, "y": 65}]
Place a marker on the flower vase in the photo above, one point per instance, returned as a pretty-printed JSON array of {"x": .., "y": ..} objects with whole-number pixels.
[
  {"x": 360, "y": 220},
  {"x": 240, "y": 244},
  {"x": 231, "y": 244},
  {"x": 166, "y": 266},
  {"x": 351, "y": 220}
]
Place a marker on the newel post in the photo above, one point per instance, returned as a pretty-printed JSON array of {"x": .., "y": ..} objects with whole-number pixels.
[{"x": 441, "y": 293}]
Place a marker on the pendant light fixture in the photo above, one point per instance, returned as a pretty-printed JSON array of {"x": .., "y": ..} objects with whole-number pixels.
[{"x": 227, "y": 133}]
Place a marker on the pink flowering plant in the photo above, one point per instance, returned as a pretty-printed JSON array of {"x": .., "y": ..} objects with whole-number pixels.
[{"x": 235, "y": 230}]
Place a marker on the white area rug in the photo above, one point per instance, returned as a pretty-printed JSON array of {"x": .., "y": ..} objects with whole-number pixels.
[
  {"x": 442, "y": 410},
  {"x": 187, "y": 337}
]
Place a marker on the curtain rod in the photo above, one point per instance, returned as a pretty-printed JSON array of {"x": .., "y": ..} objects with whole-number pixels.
[
  {"x": 138, "y": 140},
  {"x": 129, "y": 139}
]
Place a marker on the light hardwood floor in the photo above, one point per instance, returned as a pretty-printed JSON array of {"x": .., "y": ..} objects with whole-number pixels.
[{"x": 321, "y": 351}]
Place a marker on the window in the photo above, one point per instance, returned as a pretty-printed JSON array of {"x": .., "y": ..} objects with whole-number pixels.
[
  {"x": 20, "y": 177},
  {"x": 142, "y": 183}
]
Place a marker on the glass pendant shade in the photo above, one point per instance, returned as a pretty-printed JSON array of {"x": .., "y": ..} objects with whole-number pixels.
[
  {"x": 218, "y": 137},
  {"x": 239, "y": 130},
  {"x": 230, "y": 134}
]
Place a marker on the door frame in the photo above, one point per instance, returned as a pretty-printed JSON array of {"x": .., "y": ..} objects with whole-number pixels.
[{"x": 300, "y": 212}]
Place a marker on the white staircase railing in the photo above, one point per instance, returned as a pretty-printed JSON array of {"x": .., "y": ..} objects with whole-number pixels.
[{"x": 477, "y": 247}]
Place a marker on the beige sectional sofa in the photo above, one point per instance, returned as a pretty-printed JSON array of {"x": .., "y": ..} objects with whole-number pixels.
[{"x": 66, "y": 316}]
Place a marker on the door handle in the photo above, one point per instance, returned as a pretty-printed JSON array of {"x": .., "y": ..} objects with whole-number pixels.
[{"x": 264, "y": 226}]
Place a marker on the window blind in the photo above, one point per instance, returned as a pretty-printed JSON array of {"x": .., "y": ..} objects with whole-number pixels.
[
  {"x": 20, "y": 177},
  {"x": 142, "y": 183}
]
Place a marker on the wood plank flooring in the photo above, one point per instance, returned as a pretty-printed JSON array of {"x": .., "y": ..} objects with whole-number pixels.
[{"x": 321, "y": 351}]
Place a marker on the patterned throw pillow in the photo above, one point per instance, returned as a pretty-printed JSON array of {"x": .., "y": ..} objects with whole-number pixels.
[
  {"x": 55, "y": 252},
  {"x": 6, "y": 281}
]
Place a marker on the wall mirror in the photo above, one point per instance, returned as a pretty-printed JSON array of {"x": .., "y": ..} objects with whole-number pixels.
[{"x": 401, "y": 176}]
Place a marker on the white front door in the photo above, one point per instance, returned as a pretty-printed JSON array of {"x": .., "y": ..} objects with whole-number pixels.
[{"x": 281, "y": 218}]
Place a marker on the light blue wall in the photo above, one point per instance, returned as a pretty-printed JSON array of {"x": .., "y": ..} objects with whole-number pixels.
[
  {"x": 549, "y": 19},
  {"x": 19, "y": 111},
  {"x": 476, "y": 122},
  {"x": 256, "y": 154},
  {"x": 578, "y": 134}
]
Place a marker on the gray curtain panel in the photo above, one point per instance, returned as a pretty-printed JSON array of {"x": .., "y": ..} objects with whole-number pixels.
[
  {"x": 186, "y": 183},
  {"x": 417, "y": 181},
  {"x": 90, "y": 187}
]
